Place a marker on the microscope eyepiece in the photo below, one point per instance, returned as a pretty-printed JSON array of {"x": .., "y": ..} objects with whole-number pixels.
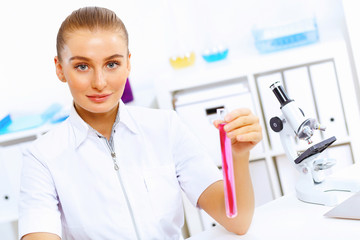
[{"x": 280, "y": 93}]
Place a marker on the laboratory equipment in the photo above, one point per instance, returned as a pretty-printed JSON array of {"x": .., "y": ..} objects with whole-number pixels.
[
  {"x": 23, "y": 121},
  {"x": 197, "y": 107},
  {"x": 127, "y": 94},
  {"x": 215, "y": 54},
  {"x": 348, "y": 209},
  {"x": 5, "y": 121},
  {"x": 311, "y": 187},
  {"x": 227, "y": 168},
  {"x": 183, "y": 61},
  {"x": 284, "y": 36}
]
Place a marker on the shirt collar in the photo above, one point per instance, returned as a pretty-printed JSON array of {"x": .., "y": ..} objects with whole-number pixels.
[
  {"x": 82, "y": 129},
  {"x": 126, "y": 119}
]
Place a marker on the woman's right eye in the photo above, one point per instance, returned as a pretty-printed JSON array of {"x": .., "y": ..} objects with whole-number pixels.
[{"x": 81, "y": 67}]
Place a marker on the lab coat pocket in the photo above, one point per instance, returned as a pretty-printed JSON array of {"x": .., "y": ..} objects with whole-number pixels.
[{"x": 163, "y": 189}]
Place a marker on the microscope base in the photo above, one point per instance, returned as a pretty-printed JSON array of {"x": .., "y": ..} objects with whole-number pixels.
[{"x": 323, "y": 193}]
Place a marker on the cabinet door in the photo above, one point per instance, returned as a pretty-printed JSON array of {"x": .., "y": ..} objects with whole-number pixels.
[
  {"x": 194, "y": 224},
  {"x": 8, "y": 194},
  {"x": 287, "y": 174},
  {"x": 199, "y": 114},
  {"x": 261, "y": 182},
  {"x": 10, "y": 169},
  {"x": 328, "y": 99},
  {"x": 262, "y": 189},
  {"x": 270, "y": 105},
  {"x": 298, "y": 87}
]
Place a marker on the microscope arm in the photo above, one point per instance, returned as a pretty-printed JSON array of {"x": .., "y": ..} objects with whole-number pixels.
[{"x": 287, "y": 140}]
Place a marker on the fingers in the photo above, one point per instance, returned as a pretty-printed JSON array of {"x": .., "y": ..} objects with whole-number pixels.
[
  {"x": 241, "y": 112},
  {"x": 237, "y": 113},
  {"x": 241, "y": 121},
  {"x": 217, "y": 122},
  {"x": 250, "y": 133},
  {"x": 242, "y": 126}
]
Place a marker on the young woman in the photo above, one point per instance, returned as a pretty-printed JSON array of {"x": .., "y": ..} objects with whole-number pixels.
[{"x": 112, "y": 171}]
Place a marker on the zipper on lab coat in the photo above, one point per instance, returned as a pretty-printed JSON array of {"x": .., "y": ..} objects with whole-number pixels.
[{"x": 116, "y": 168}]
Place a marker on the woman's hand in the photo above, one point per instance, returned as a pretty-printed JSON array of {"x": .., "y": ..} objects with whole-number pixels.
[{"x": 243, "y": 129}]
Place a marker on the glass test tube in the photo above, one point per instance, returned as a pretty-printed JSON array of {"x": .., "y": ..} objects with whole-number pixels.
[{"x": 227, "y": 168}]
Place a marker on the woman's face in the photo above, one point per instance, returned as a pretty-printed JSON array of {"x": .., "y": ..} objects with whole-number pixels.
[{"x": 95, "y": 65}]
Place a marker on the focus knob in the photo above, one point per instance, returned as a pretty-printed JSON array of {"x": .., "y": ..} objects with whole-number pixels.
[{"x": 276, "y": 124}]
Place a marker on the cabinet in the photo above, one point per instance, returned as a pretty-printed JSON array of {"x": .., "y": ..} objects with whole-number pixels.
[
  {"x": 318, "y": 77},
  {"x": 11, "y": 147},
  {"x": 197, "y": 108}
]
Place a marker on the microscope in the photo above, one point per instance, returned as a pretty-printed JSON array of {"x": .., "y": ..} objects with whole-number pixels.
[{"x": 312, "y": 185}]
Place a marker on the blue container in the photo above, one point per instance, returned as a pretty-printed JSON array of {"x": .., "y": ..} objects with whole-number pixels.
[
  {"x": 215, "y": 56},
  {"x": 286, "y": 36},
  {"x": 15, "y": 124},
  {"x": 6, "y": 121}
]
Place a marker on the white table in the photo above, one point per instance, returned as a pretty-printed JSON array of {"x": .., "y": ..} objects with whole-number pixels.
[{"x": 289, "y": 218}]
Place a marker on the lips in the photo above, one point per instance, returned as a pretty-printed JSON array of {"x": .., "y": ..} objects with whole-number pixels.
[{"x": 98, "y": 98}]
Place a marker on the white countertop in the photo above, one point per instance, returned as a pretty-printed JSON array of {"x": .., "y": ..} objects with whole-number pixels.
[{"x": 289, "y": 218}]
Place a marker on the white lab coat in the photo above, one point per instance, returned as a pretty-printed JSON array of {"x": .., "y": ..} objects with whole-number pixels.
[{"x": 69, "y": 186}]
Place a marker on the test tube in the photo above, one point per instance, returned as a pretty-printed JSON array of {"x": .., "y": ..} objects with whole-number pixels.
[{"x": 227, "y": 168}]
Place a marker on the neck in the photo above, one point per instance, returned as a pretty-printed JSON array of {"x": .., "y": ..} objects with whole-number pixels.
[{"x": 101, "y": 122}]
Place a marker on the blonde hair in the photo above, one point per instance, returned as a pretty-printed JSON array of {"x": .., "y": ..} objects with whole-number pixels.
[{"x": 91, "y": 18}]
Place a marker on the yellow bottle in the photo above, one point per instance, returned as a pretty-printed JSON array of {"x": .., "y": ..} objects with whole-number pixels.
[{"x": 182, "y": 61}]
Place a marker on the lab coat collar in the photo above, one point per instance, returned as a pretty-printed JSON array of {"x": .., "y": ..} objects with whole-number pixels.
[
  {"x": 82, "y": 129},
  {"x": 126, "y": 118}
]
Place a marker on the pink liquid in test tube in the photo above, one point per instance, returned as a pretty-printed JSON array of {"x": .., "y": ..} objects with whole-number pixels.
[{"x": 228, "y": 173}]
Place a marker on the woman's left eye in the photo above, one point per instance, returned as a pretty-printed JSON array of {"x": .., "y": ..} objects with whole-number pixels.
[{"x": 112, "y": 64}]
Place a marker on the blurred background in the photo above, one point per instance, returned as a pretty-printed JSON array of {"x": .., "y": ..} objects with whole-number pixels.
[{"x": 158, "y": 29}]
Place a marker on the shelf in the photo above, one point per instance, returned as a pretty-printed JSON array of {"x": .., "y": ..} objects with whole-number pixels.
[
  {"x": 247, "y": 65},
  {"x": 23, "y": 136},
  {"x": 247, "y": 70}
]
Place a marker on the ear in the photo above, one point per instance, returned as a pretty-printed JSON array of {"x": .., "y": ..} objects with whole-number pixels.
[
  {"x": 59, "y": 70},
  {"x": 129, "y": 63}
]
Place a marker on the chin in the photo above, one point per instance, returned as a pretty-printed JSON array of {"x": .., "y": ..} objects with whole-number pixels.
[
  {"x": 98, "y": 108},
  {"x": 101, "y": 109}
]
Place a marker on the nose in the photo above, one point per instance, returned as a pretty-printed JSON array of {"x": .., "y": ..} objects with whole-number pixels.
[{"x": 99, "y": 81}]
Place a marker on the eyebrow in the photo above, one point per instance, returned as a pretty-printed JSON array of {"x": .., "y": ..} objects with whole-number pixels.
[
  {"x": 87, "y": 59},
  {"x": 114, "y": 56}
]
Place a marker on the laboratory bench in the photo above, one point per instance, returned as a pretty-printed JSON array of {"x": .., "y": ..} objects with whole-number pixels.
[
  {"x": 319, "y": 79},
  {"x": 289, "y": 218}
]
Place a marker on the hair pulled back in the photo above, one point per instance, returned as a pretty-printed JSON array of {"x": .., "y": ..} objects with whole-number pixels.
[{"x": 91, "y": 18}]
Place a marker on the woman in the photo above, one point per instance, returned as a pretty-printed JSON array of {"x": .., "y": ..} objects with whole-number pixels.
[{"x": 116, "y": 172}]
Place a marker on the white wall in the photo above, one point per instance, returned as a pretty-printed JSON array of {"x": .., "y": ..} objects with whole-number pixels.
[
  {"x": 352, "y": 19},
  {"x": 157, "y": 29}
]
